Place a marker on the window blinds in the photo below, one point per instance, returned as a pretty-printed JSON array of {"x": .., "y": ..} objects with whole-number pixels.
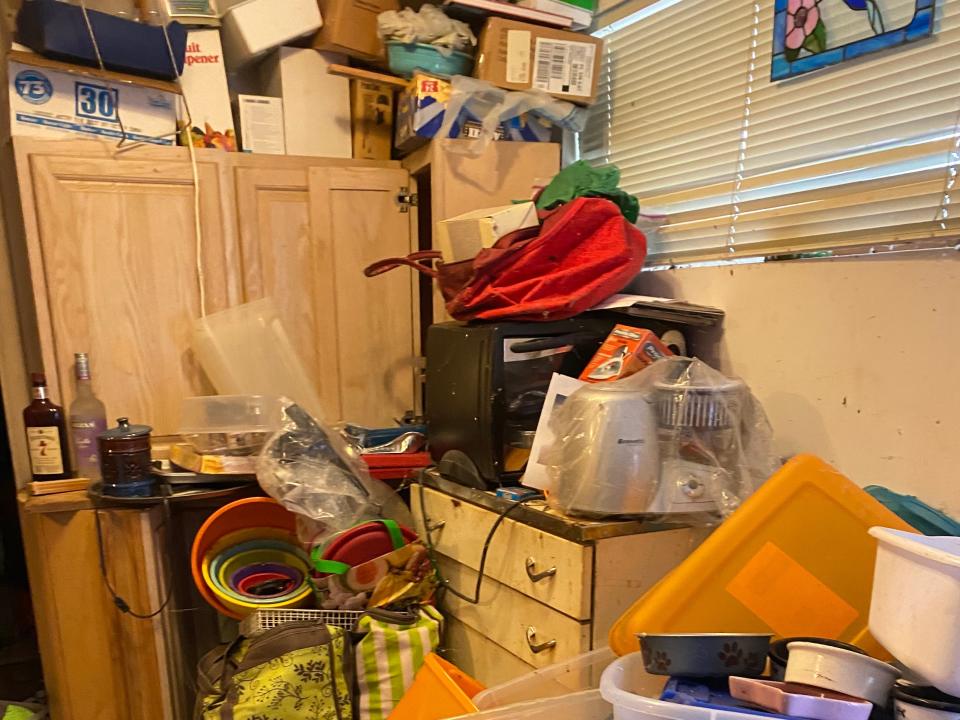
[{"x": 851, "y": 155}]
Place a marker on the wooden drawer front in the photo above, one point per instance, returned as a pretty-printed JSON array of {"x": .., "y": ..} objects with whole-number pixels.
[
  {"x": 465, "y": 529},
  {"x": 479, "y": 656},
  {"x": 504, "y": 616}
]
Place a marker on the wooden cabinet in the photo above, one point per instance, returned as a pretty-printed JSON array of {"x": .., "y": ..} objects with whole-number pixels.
[
  {"x": 97, "y": 662},
  {"x": 552, "y": 586},
  {"x": 113, "y": 255},
  {"x": 448, "y": 184}
]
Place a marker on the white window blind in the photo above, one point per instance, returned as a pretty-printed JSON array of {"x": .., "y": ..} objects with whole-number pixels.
[{"x": 855, "y": 154}]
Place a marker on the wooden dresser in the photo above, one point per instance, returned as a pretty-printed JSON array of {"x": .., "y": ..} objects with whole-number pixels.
[{"x": 552, "y": 586}]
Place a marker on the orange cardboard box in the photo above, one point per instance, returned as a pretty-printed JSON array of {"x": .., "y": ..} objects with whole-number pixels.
[{"x": 627, "y": 350}]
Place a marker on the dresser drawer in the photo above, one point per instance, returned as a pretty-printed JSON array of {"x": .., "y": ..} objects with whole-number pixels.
[
  {"x": 512, "y": 620},
  {"x": 479, "y": 656},
  {"x": 518, "y": 552}
]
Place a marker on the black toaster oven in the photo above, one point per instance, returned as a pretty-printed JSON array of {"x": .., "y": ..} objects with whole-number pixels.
[{"x": 486, "y": 384}]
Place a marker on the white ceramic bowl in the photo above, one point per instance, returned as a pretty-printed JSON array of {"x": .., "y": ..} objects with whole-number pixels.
[
  {"x": 914, "y": 702},
  {"x": 840, "y": 670}
]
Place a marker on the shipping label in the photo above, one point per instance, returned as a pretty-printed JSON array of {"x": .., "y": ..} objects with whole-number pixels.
[{"x": 564, "y": 66}]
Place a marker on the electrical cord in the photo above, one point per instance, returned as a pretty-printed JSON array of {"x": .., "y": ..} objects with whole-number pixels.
[
  {"x": 502, "y": 515},
  {"x": 122, "y": 605}
]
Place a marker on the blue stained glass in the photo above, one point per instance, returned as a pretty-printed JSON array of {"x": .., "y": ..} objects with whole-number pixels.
[{"x": 803, "y": 41}]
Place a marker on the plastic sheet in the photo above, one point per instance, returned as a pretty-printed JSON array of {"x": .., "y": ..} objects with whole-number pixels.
[
  {"x": 311, "y": 470},
  {"x": 430, "y": 26},
  {"x": 492, "y": 105},
  {"x": 677, "y": 438}
]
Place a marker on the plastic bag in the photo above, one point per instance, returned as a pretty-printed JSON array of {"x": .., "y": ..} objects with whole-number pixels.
[
  {"x": 677, "y": 438},
  {"x": 492, "y": 106},
  {"x": 430, "y": 26},
  {"x": 311, "y": 470}
]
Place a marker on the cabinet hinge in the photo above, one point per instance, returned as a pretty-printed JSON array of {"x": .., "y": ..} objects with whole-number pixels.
[{"x": 405, "y": 199}]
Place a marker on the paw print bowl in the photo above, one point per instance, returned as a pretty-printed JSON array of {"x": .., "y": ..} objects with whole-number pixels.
[{"x": 705, "y": 655}]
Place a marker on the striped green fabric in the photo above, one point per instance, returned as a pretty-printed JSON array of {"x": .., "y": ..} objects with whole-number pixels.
[{"x": 389, "y": 656}]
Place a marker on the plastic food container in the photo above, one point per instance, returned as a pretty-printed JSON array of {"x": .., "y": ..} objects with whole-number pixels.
[
  {"x": 404, "y": 59},
  {"x": 229, "y": 424},
  {"x": 586, "y": 705},
  {"x": 439, "y": 690},
  {"x": 625, "y": 685},
  {"x": 799, "y": 701},
  {"x": 842, "y": 671},
  {"x": 774, "y": 566},
  {"x": 916, "y": 604},
  {"x": 250, "y": 29}
]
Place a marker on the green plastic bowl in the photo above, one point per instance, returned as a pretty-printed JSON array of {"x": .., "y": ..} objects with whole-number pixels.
[{"x": 404, "y": 59}]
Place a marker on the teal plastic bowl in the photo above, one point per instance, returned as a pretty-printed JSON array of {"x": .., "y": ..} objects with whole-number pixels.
[{"x": 404, "y": 59}]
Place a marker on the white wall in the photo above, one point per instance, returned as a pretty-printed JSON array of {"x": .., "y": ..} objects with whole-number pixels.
[{"x": 855, "y": 360}]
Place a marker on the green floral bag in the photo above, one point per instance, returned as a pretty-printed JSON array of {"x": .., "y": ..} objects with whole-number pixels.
[{"x": 297, "y": 671}]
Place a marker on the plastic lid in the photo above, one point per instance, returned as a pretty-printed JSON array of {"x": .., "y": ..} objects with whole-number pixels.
[
  {"x": 230, "y": 414},
  {"x": 125, "y": 430}
]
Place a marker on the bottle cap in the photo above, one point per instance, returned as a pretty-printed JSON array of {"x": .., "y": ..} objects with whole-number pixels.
[{"x": 38, "y": 379}]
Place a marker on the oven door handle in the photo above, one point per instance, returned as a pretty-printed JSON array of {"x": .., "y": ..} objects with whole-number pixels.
[{"x": 551, "y": 342}]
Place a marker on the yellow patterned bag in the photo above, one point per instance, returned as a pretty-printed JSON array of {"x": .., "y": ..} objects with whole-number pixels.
[{"x": 297, "y": 671}]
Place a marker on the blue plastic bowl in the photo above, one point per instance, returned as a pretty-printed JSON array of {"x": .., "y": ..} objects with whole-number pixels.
[{"x": 404, "y": 59}]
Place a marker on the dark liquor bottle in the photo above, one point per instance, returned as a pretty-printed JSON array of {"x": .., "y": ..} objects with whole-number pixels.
[{"x": 46, "y": 427}]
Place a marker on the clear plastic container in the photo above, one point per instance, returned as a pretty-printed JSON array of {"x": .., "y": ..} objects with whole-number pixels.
[
  {"x": 246, "y": 350},
  {"x": 230, "y": 424},
  {"x": 586, "y": 705},
  {"x": 575, "y": 675}
]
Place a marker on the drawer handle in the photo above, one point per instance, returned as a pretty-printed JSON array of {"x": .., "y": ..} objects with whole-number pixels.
[
  {"x": 535, "y": 647},
  {"x": 538, "y": 576},
  {"x": 438, "y": 525}
]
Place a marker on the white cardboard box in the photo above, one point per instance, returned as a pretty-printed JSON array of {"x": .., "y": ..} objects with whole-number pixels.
[
  {"x": 204, "y": 83},
  {"x": 53, "y": 99},
  {"x": 463, "y": 236},
  {"x": 261, "y": 124},
  {"x": 254, "y": 27},
  {"x": 316, "y": 105}
]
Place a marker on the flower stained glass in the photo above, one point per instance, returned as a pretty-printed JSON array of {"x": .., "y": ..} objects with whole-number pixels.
[{"x": 812, "y": 34}]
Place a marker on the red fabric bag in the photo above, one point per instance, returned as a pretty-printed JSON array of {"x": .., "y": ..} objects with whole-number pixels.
[{"x": 584, "y": 252}]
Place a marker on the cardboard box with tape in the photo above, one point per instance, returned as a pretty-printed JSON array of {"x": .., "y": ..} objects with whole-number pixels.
[{"x": 520, "y": 56}]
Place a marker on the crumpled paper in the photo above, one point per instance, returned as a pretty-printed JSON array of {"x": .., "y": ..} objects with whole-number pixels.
[{"x": 430, "y": 26}]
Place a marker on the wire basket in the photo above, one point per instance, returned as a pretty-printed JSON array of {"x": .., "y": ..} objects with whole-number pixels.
[{"x": 262, "y": 620}]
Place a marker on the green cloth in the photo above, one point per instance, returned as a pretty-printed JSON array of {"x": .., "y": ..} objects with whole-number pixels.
[{"x": 583, "y": 180}]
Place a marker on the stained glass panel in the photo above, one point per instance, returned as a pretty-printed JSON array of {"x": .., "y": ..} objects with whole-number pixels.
[{"x": 812, "y": 34}]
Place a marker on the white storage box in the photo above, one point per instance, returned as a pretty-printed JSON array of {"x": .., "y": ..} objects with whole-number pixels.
[
  {"x": 915, "y": 608},
  {"x": 316, "y": 104},
  {"x": 204, "y": 83},
  {"x": 254, "y": 27},
  {"x": 630, "y": 689},
  {"x": 52, "y": 99}
]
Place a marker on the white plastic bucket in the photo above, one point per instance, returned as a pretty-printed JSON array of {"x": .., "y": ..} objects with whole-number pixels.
[{"x": 915, "y": 609}]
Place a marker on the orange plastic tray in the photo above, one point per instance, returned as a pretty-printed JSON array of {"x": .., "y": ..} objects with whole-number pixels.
[
  {"x": 440, "y": 690},
  {"x": 795, "y": 560}
]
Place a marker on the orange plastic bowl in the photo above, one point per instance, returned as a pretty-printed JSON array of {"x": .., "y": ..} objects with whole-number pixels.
[{"x": 255, "y": 512}]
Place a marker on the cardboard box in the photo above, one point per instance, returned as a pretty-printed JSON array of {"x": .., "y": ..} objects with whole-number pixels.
[
  {"x": 261, "y": 124},
  {"x": 463, "y": 236},
  {"x": 420, "y": 112},
  {"x": 519, "y": 56},
  {"x": 316, "y": 105},
  {"x": 204, "y": 83},
  {"x": 54, "y": 99},
  {"x": 372, "y": 119},
  {"x": 627, "y": 350},
  {"x": 188, "y": 12},
  {"x": 350, "y": 27}
]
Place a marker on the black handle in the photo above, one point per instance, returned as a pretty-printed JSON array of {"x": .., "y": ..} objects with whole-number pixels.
[{"x": 551, "y": 342}]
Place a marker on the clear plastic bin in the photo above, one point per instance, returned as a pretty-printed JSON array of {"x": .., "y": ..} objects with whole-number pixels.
[
  {"x": 578, "y": 674},
  {"x": 246, "y": 350},
  {"x": 229, "y": 424},
  {"x": 625, "y": 685},
  {"x": 587, "y": 705}
]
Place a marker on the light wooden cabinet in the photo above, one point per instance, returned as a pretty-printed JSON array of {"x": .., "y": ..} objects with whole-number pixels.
[
  {"x": 113, "y": 255},
  {"x": 552, "y": 586}
]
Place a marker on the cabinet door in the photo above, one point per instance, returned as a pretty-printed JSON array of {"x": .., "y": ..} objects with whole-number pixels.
[
  {"x": 285, "y": 256},
  {"x": 116, "y": 272},
  {"x": 365, "y": 326}
]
